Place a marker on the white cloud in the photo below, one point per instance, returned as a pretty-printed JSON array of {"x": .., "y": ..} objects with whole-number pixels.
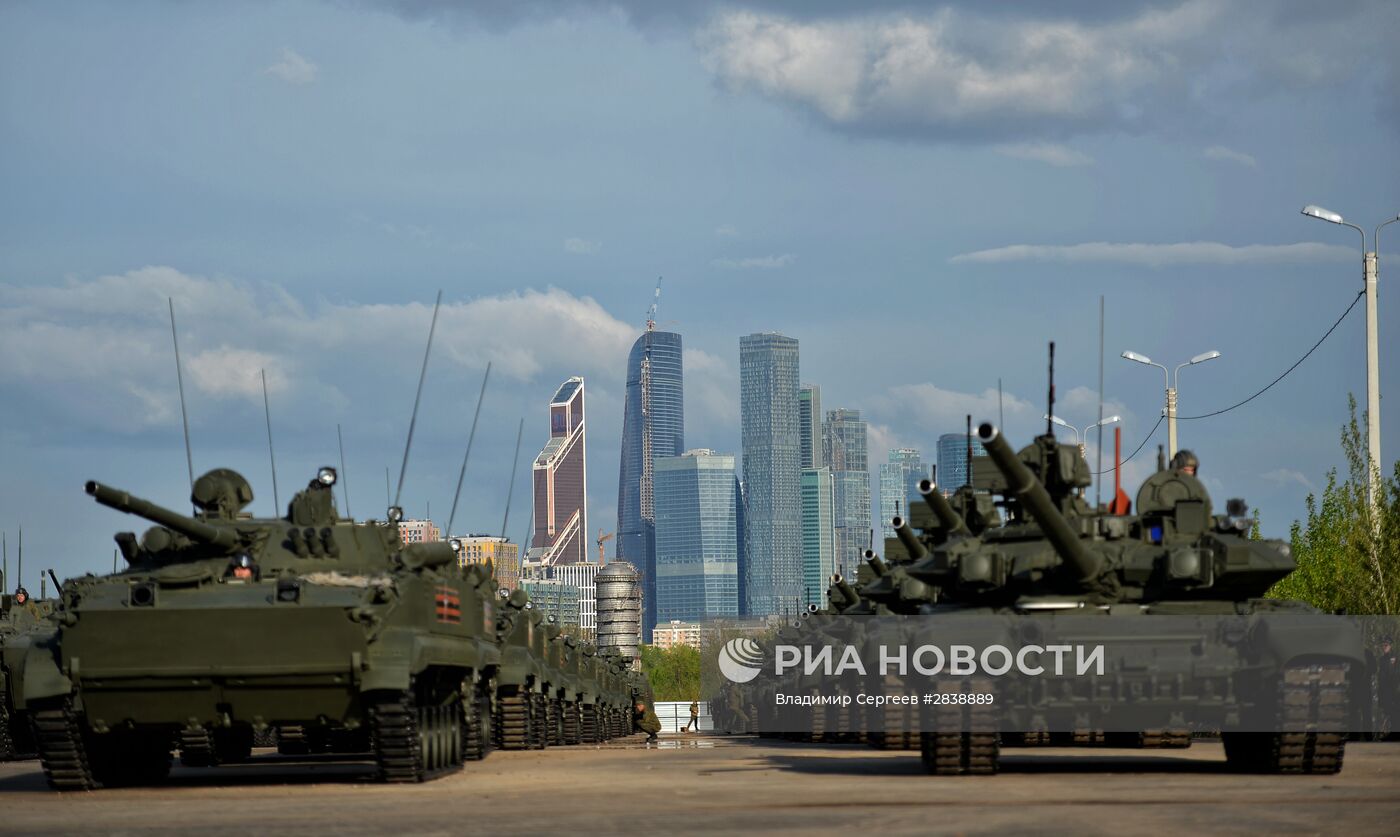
[
  {"x": 726, "y": 231},
  {"x": 1157, "y": 255},
  {"x": 756, "y": 262},
  {"x": 1288, "y": 476},
  {"x": 948, "y": 409},
  {"x": 948, "y": 72},
  {"x": 1044, "y": 152},
  {"x": 582, "y": 246},
  {"x": 102, "y": 347},
  {"x": 712, "y": 387},
  {"x": 293, "y": 68},
  {"x": 1220, "y": 152}
]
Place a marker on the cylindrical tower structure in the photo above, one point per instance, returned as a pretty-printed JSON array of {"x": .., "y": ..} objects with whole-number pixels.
[{"x": 619, "y": 602}]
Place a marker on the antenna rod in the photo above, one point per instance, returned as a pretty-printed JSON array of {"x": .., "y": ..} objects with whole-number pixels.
[
  {"x": 1050, "y": 411},
  {"x": 4, "y": 568},
  {"x": 19, "y": 571},
  {"x": 388, "y": 501},
  {"x": 413, "y": 421},
  {"x": 1098, "y": 468},
  {"x": 267, "y": 414},
  {"x": 344, "y": 481},
  {"x": 180, "y": 380},
  {"x": 514, "y": 463},
  {"x": 1001, "y": 416},
  {"x": 114, "y": 562},
  {"x": 968, "y": 472},
  {"x": 470, "y": 438}
]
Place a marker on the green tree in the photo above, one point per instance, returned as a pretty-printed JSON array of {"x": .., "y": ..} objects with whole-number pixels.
[
  {"x": 674, "y": 672},
  {"x": 1349, "y": 558}
]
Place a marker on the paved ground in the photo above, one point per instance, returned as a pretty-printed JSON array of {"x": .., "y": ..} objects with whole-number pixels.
[{"x": 725, "y": 785}]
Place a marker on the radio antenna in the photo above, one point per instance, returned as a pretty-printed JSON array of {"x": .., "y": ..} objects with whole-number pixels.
[
  {"x": 413, "y": 421},
  {"x": 344, "y": 482},
  {"x": 180, "y": 381},
  {"x": 514, "y": 463},
  {"x": 461, "y": 475},
  {"x": 267, "y": 414},
  {"x": 5, "y": 567},
  {"x": 1050, "y": 410}
]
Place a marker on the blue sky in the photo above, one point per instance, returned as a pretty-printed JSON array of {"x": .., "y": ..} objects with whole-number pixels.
[{"x": 923, "y": 194}]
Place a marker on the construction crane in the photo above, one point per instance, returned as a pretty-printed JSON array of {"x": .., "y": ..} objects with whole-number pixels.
[
  {"x": 651, "y": 312},
  {"x": 602, "y": 539}
]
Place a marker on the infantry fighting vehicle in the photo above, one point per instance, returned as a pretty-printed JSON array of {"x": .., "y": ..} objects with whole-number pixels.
[
  {"x": 223, "y": 624},
  {"x": 1055, "y": 557},
  {"x": 19, "y": 616}
]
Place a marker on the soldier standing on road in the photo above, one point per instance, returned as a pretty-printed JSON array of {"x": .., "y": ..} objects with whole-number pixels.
[{"x": 694, "y": 717}]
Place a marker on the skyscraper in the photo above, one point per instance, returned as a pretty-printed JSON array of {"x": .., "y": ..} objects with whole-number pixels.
[
  {"x": 653, "y": 426},
  {"x": 768, "y": 384},
  {"x": 809, "y": 417},
  {"x": 844, "y": 440},
  {"x": 561, "y": 482},
  {"x": 899, "y": 485},
  {"x": 697, "y": 537},
  {"x": 952, "y": 460},
  {"x": 818, "y": 550}
]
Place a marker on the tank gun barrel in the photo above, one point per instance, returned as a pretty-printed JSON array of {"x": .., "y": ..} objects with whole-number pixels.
[
  {"x": 190, "y": 527},
  {"x": 1024, "y": 485},
  {"x": 906, "y": 536},
  {"x": 938, "y": 504}
]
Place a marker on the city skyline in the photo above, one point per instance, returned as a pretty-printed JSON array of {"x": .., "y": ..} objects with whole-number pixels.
[{"x": 265, "y": 172}]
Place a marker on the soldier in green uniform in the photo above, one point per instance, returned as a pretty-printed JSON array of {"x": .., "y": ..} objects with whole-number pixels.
[{"x": 644, "y": 713}]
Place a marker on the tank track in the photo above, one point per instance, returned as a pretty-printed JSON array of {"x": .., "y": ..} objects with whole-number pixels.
[
  {"x": 588, "y": 724},
  {"x": 61, "y": 748},
  {"x": 1165, "y": 739},
  {"x": 571, "y": 723},
  {"x": 554, "y": 730},
  {"x": 415, "y": 741},
  {"x": 476, "y": 727},
  {"x": 292, "y": 740},
  {"x": 976, "y": 751},
  {"x": 8, "y": 751},
  {"x": 197, "y": 748},
  {"x": 513, "y": 727},
  {"x": 539, "y": 720},
  {"x": 1310, "y": 695}
]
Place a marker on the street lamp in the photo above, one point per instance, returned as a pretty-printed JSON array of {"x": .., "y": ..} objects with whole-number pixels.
[
  {"x": 1369, "y": 270},
  {"x": 1061, "y": 422},
  {"x": 1172, "y": 379}
]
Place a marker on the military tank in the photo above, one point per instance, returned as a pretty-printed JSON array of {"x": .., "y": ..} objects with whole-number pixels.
[
  {"x": 223, "y": 624},
  {"x": 20, "y": 615},
  {"x": 1055, "y": 557}
]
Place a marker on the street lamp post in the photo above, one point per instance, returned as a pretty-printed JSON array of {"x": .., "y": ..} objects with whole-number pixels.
[
  {"x": 1078, "y": 440},
  {"x": 1369, "y": 269},
  {"x": 1172, "y": 379}
]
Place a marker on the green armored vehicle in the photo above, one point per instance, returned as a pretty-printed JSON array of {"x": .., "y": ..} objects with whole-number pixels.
[
  {"x": 522, "y": 707},
  {"x": 1056, "y": 559},
  {"x": 20, "y": 615},
  {"x": 224, "y": 624}
]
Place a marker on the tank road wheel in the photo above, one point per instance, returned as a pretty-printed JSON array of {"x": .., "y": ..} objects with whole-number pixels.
[
  {"x": 513, "y": 721},
  {"x": 971, "y": 743},
  {"x": 1310, "y": 695},
  {"x": 292, "y": 741},
  {"x": 476, "y": 725},
  {"x": 125, "y": 758},
  {"x": 62, "y": 751},
  {"x": 571, "y": 723},
  {"x": 197, "y": 748}
]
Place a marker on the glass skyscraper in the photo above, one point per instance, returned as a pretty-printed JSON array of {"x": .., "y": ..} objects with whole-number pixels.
[
  {"x": 698, "y": 541},
  {"x": 809, "y": 417},
  {"x": 818, "y": 551},
  {"x": 653, "y": 426},
  {"x": 561, "y": 481},
  {"x": 899, "y": 486},
  {"x": 845, "y": 445},
  {"x": 952, "y": 460},
  {"x": 768, "y": 408}
]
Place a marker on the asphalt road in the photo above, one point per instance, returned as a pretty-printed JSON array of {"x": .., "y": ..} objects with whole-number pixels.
[{"x": 727, "y": 785}]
